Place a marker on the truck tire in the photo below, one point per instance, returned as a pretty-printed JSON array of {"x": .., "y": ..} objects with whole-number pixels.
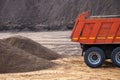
[
  {"x": 115, "y": 56},
  {"x": 94, "y": 57}
]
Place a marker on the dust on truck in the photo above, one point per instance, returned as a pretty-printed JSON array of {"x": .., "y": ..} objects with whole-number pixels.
[{"x": 99, "y": 37}]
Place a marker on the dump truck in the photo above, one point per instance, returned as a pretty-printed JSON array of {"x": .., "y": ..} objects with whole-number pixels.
[{"x": 99, "y": 37}]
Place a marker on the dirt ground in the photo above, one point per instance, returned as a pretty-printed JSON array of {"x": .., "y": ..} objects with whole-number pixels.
[{"x": 71, "y": 67}]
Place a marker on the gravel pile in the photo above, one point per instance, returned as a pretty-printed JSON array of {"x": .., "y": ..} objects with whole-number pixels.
[
  {"x": 19, "y": 54},
  {"x": 32, "y": 47}
]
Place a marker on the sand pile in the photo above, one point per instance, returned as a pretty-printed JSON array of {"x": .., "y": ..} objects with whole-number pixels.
[
  {"x": 13, "y": 59},
  {"x": 32, "y": 47}
]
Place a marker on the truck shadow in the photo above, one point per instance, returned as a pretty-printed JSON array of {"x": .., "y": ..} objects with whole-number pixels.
[{"x": 108, "y": 64}]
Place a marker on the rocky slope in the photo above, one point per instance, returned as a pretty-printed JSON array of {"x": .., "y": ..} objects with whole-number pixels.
[{"x": 37, "y": 15}]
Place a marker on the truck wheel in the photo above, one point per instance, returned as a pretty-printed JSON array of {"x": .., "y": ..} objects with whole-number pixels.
[
  {"x": 94, "y": 57},
  {"x": 115, "y": 56}
]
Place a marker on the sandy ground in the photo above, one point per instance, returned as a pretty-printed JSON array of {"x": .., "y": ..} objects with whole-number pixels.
[{"x": 68, "y": 68}]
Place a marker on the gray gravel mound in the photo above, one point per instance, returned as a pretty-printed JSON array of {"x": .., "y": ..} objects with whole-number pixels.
[
  {"x": 32, "y": 47},
  {"x": 13, "y": 59}
]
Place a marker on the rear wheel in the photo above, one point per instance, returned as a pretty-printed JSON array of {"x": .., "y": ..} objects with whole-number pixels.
[
  {"x": 94, "y": 57},
  {"x": 115, "y": 56}
]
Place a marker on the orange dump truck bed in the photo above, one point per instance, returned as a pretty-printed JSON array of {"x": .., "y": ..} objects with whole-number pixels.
[{"x": 89, "y": 30}]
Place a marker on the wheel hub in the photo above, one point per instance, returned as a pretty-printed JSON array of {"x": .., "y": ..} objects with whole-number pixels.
[
  {"x": 117, "y": 57},
  {"x": 94, "y": 58}
]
